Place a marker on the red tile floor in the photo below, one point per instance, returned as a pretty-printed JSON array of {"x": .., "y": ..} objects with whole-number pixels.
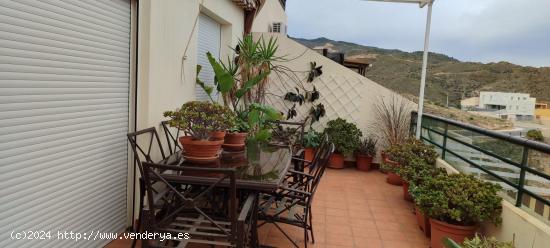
[{"x": 351, "y": 209}]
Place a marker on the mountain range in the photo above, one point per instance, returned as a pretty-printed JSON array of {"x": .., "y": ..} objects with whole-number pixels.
[{"x": 449, "y": 80}]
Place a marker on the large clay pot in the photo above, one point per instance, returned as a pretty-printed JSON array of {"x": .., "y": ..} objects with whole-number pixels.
[
  {"x": 336, "y": 161},
  {"x": 363, "y": 162},
  {"x": 406, "y": 195},
  {"x": 394, "y": 179},
  {"x": 423, "y": 222},
  {"x": 441, "y": 230},
  {"x": 200, "y": 148},
  {"x": 217, "y": 135},
  {"x": 235, "y": 138},
  {"x": 309, "y": 153}
]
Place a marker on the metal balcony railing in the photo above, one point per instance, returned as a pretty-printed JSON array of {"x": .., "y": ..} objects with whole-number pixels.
[{"x": 519, "y": 165}]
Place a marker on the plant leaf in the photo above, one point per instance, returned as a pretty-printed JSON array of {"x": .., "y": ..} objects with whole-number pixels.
[
  {"x": 224, "y": 78},
  {"x": 248, "y": 85}
]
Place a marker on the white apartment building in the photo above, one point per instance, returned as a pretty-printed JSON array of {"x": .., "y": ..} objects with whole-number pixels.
[{"x": 507, "y": 105}]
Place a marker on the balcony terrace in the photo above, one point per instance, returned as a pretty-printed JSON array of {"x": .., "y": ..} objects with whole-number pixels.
[{"x": 351, "y": 209}]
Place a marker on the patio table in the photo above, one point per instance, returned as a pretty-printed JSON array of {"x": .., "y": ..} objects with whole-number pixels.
[
  {"x": 261, "y": 172},
  {"x": 257, "y": 172}
]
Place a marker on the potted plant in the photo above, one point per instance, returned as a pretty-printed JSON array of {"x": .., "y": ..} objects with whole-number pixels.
[
  {"x": 456, "y": 204},
  {"x": 311, "y": 142},
  {"x": 236, "y": 137},
  {"x": 199, "y": 120},
  {"x": 414, "y": 173},
  {"x": 346, "y": 138},
  {"x": 365, "y": 154}
]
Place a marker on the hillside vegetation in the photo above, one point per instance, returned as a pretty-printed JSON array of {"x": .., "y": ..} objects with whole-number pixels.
[{"x": 447, "y": 76}]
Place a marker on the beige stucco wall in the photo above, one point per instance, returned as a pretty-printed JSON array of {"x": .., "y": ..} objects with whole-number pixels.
[
  {"x": 517, "y": 225},
  {"x": 344, "y": 93},
  {"x": 165, "y": 79},
  {"x": 272, "y": 11},
  {"x": 164, "y": 29}
]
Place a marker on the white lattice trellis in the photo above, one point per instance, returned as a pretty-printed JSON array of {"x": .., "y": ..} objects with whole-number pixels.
[{"x": 341, "y": 96}]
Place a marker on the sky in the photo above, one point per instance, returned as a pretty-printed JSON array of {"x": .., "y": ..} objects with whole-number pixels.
[{"x": 517, "y": 31}]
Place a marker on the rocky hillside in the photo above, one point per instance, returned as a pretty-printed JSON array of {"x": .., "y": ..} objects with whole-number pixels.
[{"x": 447, "y": 76}]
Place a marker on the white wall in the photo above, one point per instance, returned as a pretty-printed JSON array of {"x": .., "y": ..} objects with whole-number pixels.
[
  {"x": 516, "y": 103},
  {"x": 164, "y": 30},
  {"x": 344, "y": 92},
  {"x": 271, "y": 12}
]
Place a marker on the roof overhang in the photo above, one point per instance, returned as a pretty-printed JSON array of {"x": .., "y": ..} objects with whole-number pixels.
[{"x": 249, "y": 4}]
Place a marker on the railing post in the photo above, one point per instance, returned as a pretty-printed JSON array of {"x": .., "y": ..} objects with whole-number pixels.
[
  {"x": 524, "y": 161},
  {"x": 412, "y": 126},
  {"x": 445, "y": 133}
]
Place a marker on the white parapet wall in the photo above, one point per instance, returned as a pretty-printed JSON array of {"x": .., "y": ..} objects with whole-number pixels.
[
  {"x": 525, "y": 230},
  {"x": 343, "y": 92}
]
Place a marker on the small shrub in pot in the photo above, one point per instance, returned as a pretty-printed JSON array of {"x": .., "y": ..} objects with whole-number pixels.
[
  {"x": 312, "y": 140},
  {"x": 456, "y": 204},
  {"x": 200, "y": 120},
  {"x": 365, "y": 154},
  {"x": 345, "y": 136}
]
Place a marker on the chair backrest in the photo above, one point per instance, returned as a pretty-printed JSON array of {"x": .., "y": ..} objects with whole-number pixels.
[
  {"x": 186, "y": 204},
  {"x": 320, "y": 165},
  {"x": 298, "y": 132},
  {"x": 145, "y": 148},
  {"x": 171, "y": 138}
]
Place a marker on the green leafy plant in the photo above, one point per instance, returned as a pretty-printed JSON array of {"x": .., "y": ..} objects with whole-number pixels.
[
  {"x": 241, "y": 124},
  {"x": 368, "y": 147},
  {"x": 200, "y": 119},
  {"x": 417, "y": 170},
  {"x": 535, "y": 135},
  {"x": 412, "y": 148},
  {"x": 484, "y": 242},
  {"x": 312, "y": 138},
  {"x": 458, "y": 199},
  {"x": 259, "y": 118},
  {"x": 345, "y": 136}
]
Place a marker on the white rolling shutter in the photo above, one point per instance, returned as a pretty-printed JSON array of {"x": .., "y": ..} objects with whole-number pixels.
[
  {"x": 64, "y": 81},
  {"x": 209, "y": 34}
]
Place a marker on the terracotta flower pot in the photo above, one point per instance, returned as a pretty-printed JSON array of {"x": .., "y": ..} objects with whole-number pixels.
[
  {"x": 309, "y": 153},
  {"x": 440, "y": 230},
  {"x": 406, "y": 195},
  {"x": 217, "y": 135},
  {"x": 363, "y": 162},
  {"x": 235, "y": 138},
  {"x": 394, "y": 179},
  {"x": 336, "y": 161},
  {"x": 200, "y": 148},
  {"x": 423, "y": 222}
]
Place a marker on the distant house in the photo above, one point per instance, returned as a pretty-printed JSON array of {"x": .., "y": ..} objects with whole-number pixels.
[{"x": 519, "y": 106}]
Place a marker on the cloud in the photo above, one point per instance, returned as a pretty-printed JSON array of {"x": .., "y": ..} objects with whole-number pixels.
[{"x": 473, "y": 30}]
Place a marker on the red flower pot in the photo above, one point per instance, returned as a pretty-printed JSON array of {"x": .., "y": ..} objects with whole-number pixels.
[
  {"x": 309, "y": 153},
  {"x": 217, "y": 135},
  {"x": 394, "y": 179},
  {"x": 406, "y": 195},
  {"x": 200, "y": 148},
  {"x": 423, "y": 222},
  {"x": 336, "y": 161},
  {"x": 235, "y": 138},
  {"x": 441, "y": 230},
  {"x": 363, "y": 162}
]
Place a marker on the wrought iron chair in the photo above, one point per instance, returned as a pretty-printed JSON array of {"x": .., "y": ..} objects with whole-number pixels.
[
  {"x": 144, "y": 150},
  {"x": 171, "y": 138},
  {"x": 290, "y": 132},
  {"x": 292, "y": 203},
  {"x": 190, "y": 210}
]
